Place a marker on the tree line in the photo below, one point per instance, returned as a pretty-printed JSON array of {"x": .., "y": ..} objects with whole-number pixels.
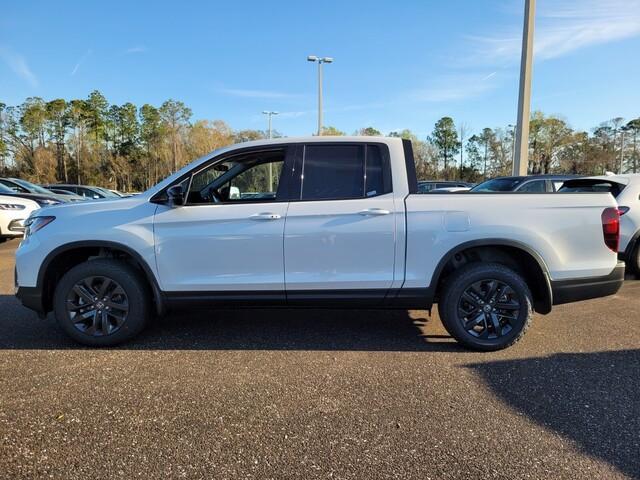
[{"x": 131, "y": 148}]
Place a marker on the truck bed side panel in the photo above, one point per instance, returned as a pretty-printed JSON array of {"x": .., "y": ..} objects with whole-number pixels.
[{"x": 564, "y": 230}]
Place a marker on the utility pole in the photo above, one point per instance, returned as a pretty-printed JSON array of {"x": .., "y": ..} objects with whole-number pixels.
[
  {"x": 521, "y": 159},
  {"x": 463, "y": 130},
  {"x": 270, "y": 114},
  {"x": 320, "y": 61},
  {"x": 513, "y": 142},
  {"x": 622, "y": 132}
]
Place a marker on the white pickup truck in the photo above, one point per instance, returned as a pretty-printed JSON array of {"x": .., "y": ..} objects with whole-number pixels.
[{"x": 317, "y": 222}]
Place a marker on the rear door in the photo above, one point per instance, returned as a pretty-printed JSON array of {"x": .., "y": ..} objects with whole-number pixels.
[{"x": 341, "y": 225}]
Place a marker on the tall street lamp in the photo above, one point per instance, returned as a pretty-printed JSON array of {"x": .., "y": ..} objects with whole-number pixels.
[
  {"x": 320, "y": 61},
  {"x": 270, "y": 114}
]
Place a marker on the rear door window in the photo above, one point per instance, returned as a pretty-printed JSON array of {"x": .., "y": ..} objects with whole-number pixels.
[
  {"x": 344, "y": 171},
  {"x": 535, "y": 186}
]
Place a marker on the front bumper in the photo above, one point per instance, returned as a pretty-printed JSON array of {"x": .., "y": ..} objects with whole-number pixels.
[
  {"x": 575, "y": 290},
  {"x": 31, "y": 297}
]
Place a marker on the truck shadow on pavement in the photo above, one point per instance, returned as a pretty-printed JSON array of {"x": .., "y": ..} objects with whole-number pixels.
[
  {"x": 248, "y": 329},
  {"x": 592, "y": 399}
]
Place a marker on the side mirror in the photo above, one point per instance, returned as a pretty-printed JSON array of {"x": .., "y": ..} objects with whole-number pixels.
[{"x": 175, "y": 196}]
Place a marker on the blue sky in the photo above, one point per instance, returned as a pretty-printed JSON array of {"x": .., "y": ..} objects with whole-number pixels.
[{"x": 398, "y": 65}]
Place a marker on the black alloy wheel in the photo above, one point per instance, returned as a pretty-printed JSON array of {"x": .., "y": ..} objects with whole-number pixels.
[
  {"x": 97, "y": 306},
  {"x": 489, "y": 309}
]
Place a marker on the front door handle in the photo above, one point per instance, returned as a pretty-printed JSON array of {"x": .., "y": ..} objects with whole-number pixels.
[
  {"x": 265, "y": 216},
  {"x": 374, "y": 212}
]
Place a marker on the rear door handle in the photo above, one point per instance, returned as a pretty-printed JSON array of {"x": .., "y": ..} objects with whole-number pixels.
[
  {"x": 374, "y": 212},
  {"x": 265, "y": 216}
]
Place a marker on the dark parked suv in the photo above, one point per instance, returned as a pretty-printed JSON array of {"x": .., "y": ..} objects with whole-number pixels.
[{"x": 530, "y": 183}]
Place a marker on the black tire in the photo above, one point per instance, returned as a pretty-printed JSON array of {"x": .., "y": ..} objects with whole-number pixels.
[
  {"x": 468, "y": 293},
  {"x": 128, "y": 305},
  {"x": 634, "y": 260}
]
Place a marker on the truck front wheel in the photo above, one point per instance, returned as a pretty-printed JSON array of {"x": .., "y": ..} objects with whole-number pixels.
[
  {"x": 101, "y": 302},
  {"x": 486, "y": 306}
]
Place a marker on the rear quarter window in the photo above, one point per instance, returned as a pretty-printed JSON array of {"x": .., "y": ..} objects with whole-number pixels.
[{"x": 593, "y": 186}]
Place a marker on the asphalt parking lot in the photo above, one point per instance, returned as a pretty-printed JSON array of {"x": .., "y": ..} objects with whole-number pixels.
[{"x": 322, "y": 394}]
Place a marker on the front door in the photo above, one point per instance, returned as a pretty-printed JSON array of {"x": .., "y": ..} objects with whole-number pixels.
[{"x": 228, "y": 235}]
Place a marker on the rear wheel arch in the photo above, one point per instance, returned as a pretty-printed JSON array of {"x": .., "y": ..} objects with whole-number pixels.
[
  {"x": 62, "y": 259},
  {"x": 521, "y": 258},
  {"x": 632, "y": 253}
]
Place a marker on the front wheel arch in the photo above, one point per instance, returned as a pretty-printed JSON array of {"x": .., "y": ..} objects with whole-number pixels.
[{"x": 62, "y": 259}]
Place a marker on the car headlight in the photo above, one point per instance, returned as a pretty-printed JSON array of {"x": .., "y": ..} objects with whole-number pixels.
[
  {"x": 33, "y": 224},
  {"x": 11, "y": 206},
  {"x": 43, "y": 202}
]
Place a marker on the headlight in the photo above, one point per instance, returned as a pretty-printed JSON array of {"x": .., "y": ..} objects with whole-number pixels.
[
  {"x": 11, "y": 206},
  {"x": 43, "y": 202},
  {"x": 33, "y": 224}
]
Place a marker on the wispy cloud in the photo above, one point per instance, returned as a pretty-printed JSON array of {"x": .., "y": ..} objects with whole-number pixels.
[
  {"x": 238, "y": 92},
  {"x": 136, "y": 49},
  {"x": 453, "y": 87},
  {"x": 79, "y": 62},
  {"x": 18, "y": 64},
  {"x": 563, "y": 27},
  {"x": 293, "y": 114}
]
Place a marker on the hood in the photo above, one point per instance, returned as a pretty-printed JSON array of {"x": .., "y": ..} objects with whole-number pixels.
[
  {"x": 95, "y": 206},
  {"x": 36, "y": 197}
]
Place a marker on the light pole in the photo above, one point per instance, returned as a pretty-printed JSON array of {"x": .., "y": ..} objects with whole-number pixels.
[
  {"x": 320, "y": 60},
  {"x": 270, "y": 114},
  {"x": 521, "y": 159}
]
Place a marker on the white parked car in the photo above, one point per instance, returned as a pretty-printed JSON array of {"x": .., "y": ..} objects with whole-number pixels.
[
  {"x": 626, "y": 190},
  {"x": 450, "y": 190},
  {"x": 13, "y": 212},
  {"x": 329, "y": 221}
]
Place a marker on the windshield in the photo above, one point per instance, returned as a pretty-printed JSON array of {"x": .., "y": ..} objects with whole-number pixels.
[
  {"x": 107, "y": 193},
  {"x": 4, "y": 189},
  {"x": 498, "y": 185},
  {"x": 31, "y": 187}
]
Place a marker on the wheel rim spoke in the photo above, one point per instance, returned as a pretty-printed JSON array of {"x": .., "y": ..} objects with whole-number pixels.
[
  {"x": 508, "y": 306},
  {"x": 470, "y": 299},
  {"x": 103, "y": 288},
  {"x": 471, "y": 324},
  {"x": 495, "y": 322},
  {"x": 82, "y": 291}
]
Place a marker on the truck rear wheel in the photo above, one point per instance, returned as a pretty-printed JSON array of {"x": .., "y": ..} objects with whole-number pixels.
[
  {"x": 101, "y": 302},
  {"x": 486, "y": 306}
]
